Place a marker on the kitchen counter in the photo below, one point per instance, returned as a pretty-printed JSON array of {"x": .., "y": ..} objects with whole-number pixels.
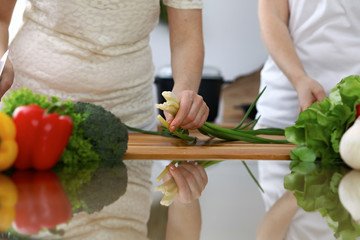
[{"x": 115, "y": 200}]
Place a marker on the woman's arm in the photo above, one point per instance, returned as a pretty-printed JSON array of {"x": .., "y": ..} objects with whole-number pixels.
[
  {"x": 273, "y": 19},
  {"x": 184, "y": 215},
  {"x": 277, "y": 220},
  {"x": 187, "y": 57},
  {"x": 6, "y": 10}
]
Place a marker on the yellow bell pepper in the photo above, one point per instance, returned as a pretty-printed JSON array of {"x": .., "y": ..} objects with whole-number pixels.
[
  {"x": 8, "y": 145},
  {"x": 8, "y": 200}
]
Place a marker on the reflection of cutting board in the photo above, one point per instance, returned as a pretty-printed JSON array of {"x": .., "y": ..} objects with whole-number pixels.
[{"x": 151, "y": 147}]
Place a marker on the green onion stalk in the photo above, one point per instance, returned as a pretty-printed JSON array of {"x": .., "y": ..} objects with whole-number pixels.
[{"x": 242, "y": 132}]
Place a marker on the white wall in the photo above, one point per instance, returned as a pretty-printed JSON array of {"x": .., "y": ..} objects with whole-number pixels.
[{"x": 231, "y": 35}]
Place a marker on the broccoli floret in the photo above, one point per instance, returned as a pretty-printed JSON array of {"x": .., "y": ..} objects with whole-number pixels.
[{"x": 106, "y": 132}]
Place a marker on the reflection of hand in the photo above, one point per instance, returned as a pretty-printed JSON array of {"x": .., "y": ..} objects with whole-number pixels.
[
  {"x": 6, "y": 78},
  {"x": 190, "y": 178},
  {"x": 192, "y": 114},
  {"x": 309, "y": 91}
]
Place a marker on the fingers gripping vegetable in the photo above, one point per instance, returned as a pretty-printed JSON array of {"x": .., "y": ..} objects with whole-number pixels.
[
  {"x": 171, "y": 105},
  {"x": 42, "y": 202},
  {"x": 239, "y": 133},
  {"x": 8, "y": 145},
  {"x": 8, "y": 199},
  {"x": 41, "y": 137}
]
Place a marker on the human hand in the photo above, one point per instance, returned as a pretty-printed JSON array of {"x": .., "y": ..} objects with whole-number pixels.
[
  {"x": 6, "y": 78},
  {"x": 192, "y": 114},
  {"x": 190, "y": 178},
  {"x": 309, "y": 91}
]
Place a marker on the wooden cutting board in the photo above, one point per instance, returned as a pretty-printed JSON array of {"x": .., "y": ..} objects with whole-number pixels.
[{"x": 152, "y": 147}]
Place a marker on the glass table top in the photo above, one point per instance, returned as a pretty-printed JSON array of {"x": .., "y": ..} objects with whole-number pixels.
[{"x": 118, "y": 201}]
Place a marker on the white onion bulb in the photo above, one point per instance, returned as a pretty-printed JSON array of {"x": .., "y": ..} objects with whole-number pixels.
[{"x": 350, "y": 146}]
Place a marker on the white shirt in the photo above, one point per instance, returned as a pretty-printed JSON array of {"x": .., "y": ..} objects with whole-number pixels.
[{"x": 326, "y": 36}]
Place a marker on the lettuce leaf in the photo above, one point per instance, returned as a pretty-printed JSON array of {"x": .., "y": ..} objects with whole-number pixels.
[{"x": 318, "y": 130}]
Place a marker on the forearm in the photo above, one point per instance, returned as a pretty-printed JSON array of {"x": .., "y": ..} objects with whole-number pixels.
[
  {"x": 273, "y": 18},
  {"x": 187, "y": 65},
  {"x": 277, "y": 220},
  {"x": 4, "y": 37},
  {"x": 6, "y": 10},
  {"x": 184, "y": 221},
  {"x": 187, "y": 48}
]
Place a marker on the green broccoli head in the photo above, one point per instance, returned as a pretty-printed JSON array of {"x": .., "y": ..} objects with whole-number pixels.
[{"x": 106, "y": 132}]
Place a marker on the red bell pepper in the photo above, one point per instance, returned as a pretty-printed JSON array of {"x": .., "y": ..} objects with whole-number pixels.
[
  {"x": 357, "y": 110},
  {"x": 41, "y": 137},
  {"x": 42, "y": 202}
]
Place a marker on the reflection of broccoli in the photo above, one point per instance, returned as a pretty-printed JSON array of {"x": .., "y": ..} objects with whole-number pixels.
[
  {"x": 107, "y": 184},
  {"x": 90, "y": 187},
  {"x": 107, "y": 134}
]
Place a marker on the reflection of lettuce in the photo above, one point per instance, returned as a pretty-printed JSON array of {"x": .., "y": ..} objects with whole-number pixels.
[
  {"x": 318, "y": 130},
  {"x": 315, "y": 187},
  {"x": 90, "y": 187}
]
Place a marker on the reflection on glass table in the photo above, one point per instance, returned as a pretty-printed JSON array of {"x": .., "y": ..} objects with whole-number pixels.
[
  {"x": 323, "y": 192},
  {"x": 42, "y": 204},
  {"x": 112, "y": 202}
]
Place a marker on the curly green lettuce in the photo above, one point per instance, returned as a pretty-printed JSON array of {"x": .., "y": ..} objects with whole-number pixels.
[{"x": 318, "y": 130}]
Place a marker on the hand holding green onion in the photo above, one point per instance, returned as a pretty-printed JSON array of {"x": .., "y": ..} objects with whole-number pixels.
[{"x": 186, "y": 109}]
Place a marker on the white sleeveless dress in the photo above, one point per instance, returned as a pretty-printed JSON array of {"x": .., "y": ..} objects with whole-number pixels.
[{"x": 97, "y": 51}]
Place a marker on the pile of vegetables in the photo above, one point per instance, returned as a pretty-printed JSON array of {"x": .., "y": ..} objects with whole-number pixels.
[
  {"x": 78, "y": 148},
  {"x": 89, "y": 132}
]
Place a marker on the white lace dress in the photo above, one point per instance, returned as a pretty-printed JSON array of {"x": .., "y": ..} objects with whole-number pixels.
[
  {"x": 97, "y": 51},
  {"x": 91, "y": 50}
]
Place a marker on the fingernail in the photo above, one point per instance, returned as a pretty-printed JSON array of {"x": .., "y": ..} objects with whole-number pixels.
[
  {"x": 171, "y": 167},
  {"x": 172, "y": 128}
]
